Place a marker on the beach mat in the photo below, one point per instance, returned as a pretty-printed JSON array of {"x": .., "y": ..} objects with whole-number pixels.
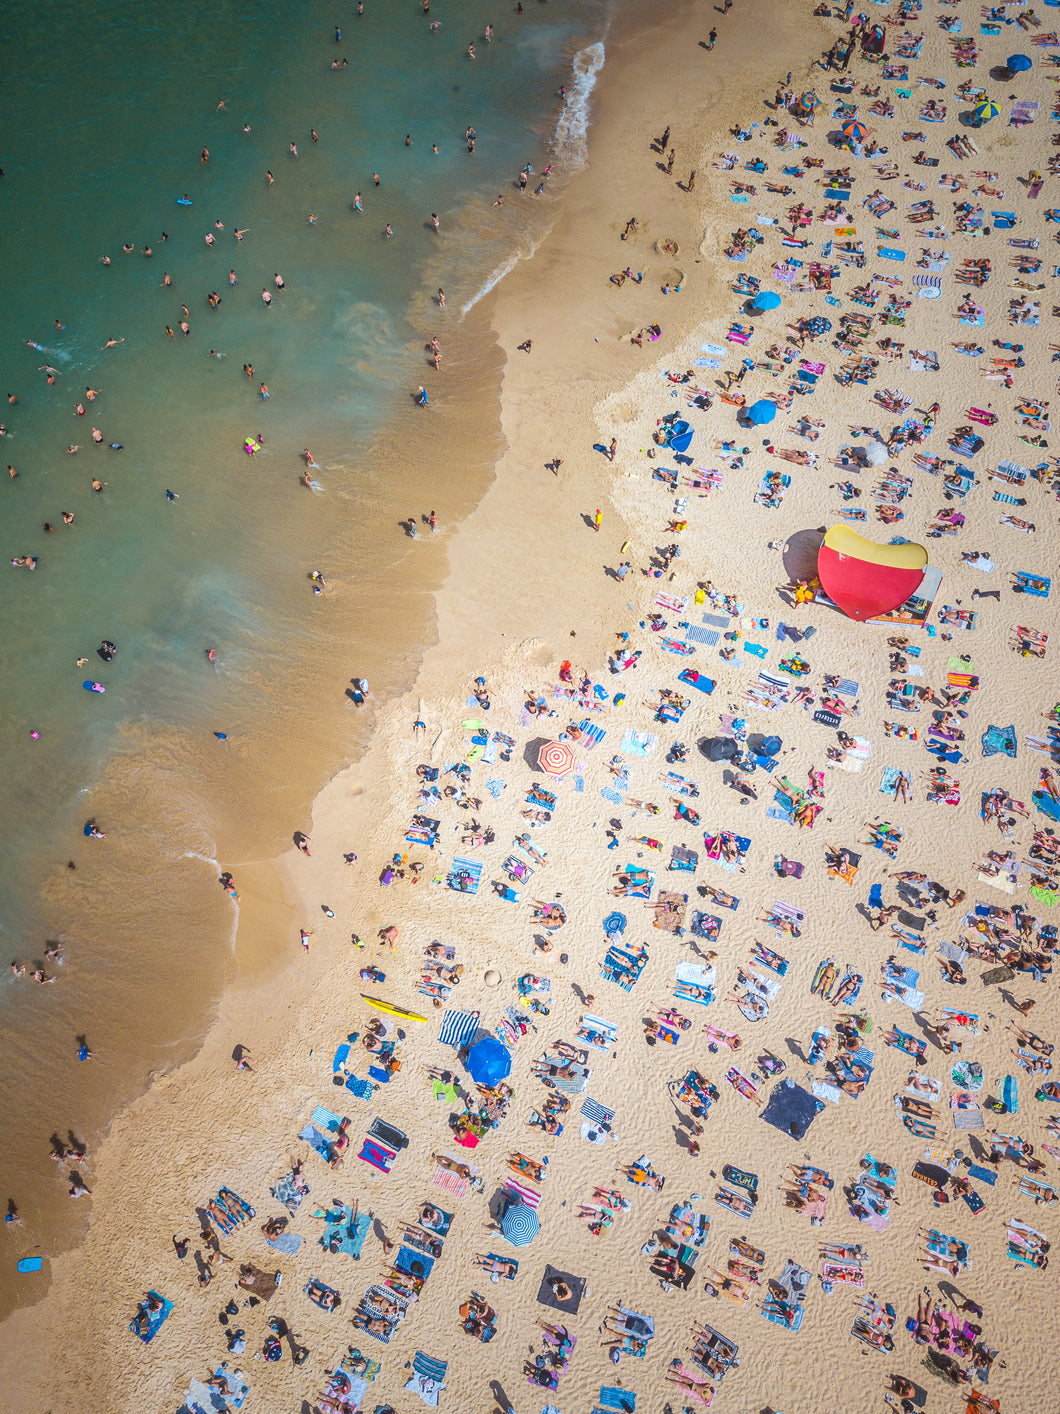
[
  {"x": 791, "y": 1109},
  {"x": 546, "y": 1296}
]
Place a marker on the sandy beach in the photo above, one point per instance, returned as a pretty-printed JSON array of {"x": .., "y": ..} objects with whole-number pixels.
[{"x": 820, "y": 1178}]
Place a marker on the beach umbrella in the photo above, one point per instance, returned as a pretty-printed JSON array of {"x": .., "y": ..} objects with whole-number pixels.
[
  {"x": 557, "y": 758},
  {"x": 766, "y": 300},
  {"x": 761, "y": 412},
  {"x": 520, "y": 1224},
  {"x": 809, "y": 100},
  {"x": 489, "y": 1062},
  {"x": 819, "y": 325},
  {"x": 985, "y": 111},
  {"x": 875, "y": 454},
  {"x": 854, "y": 131},
  {"x": 1018, "y": 63}
]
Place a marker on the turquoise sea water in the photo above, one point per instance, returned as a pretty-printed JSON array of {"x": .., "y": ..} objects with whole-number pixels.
[{"x": 107, "y": 109}]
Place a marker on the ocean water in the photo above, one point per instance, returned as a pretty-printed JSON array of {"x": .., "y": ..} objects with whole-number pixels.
[{"x": 107, "y": 111}]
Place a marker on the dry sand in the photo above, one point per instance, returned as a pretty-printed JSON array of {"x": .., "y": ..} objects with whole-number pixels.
[{"x": 527, "y": 588}]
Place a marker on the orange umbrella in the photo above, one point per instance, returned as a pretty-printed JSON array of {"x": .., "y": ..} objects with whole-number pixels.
[{"x": 557, "y": 759}]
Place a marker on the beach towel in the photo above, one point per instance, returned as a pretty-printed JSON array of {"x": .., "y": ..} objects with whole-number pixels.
[
  {"x": 450, "y": 1182},
  {"x": 695, "y": 634},
  {"x": 999, "y": 739},
  {"x": 286, "y": 1193},
  {"x": 525, "y": 1194},
  {"x": 205, "y": 1399},
  {"x": 343, "y": 1232},
  {"x": 613, "y": 1397},
  {"x": 428, "y": 1378},
  {"x": 464, "y": 876},
  {"x": 377, "y": 1155},
  {"x": 638, "y": 743},
  {"x": 146, "y": 1329},
  {"x": 596, "y": 1113},
  {"x": 458, "y": 1027},
  {"x": 286, "y": 1242},
  {"x": 597, "y": 1033}
]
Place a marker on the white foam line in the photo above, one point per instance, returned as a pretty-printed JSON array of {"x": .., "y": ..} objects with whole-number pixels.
[{"x": 570, "y": 142}]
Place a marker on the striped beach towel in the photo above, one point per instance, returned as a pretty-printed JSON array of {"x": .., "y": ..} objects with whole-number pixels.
[
  {"x": 596, "y": 1113},
  {"x": 458, "y": 1027},
  {"x": 530, "y": 1196},
  {"x": 451, "y": 1182},
  {"x": 696, "y": 634}
]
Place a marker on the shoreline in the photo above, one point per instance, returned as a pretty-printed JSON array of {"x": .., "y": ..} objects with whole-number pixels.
[
  {"x": 383, "y": 609},
  {"x": 524, "y": 575},
  {"x": 272, "y": 895},
  {"x": 259, "y": 955}
]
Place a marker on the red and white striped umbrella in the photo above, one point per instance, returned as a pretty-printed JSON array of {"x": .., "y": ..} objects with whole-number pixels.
[{"x": 557, "y": 758}]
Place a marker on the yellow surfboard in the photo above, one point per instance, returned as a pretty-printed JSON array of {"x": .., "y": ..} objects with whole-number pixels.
[{"x": 391, "y": 1009}]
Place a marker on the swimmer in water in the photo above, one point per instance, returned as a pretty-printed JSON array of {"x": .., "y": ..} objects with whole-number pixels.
[
  {"x": 111, "y": 343},
  {"x": 357, "y": 203}
]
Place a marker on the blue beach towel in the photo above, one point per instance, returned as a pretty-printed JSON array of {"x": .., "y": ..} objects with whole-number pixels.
[{"x": 154, "y": 1319}]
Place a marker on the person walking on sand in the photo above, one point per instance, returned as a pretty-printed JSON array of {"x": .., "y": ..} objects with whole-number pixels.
[
  {"x": 612, "y": 449},
  {"x": 690, "y": 184},
  {"x": 598, "y": 520},
  {"x": 670, "y": 161},
  {"x": 712, "y": 39}
]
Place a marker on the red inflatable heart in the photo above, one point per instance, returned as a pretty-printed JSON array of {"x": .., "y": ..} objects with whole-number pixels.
[{"x": 866, "y": 579}]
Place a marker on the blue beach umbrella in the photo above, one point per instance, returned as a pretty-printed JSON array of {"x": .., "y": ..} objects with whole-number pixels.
[
  {"x": 1018, "y": 63},
  {"x": 761, "y": 412},
  {"x": 767, "y": 300},
  {"x": 489, "y": 1062},
  {"x": 520, "y": 1224}
]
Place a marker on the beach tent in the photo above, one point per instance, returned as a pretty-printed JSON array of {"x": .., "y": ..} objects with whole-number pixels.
[{"x": 866, "y": 579}]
